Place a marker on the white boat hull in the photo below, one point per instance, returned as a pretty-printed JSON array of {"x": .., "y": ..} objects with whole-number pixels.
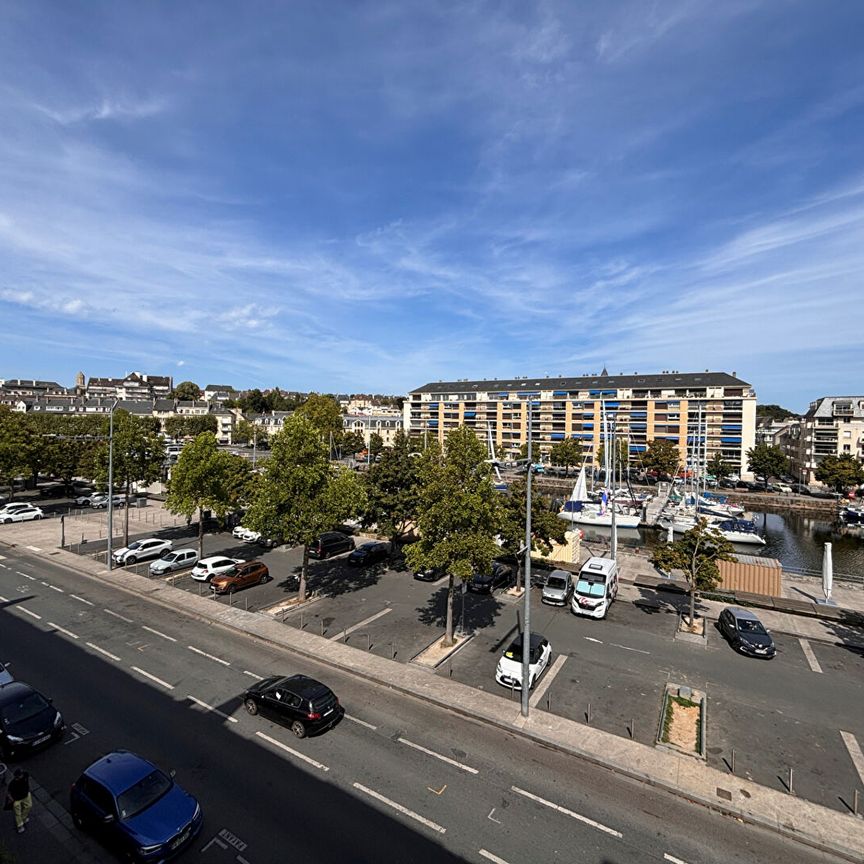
[{"x": 594, "y": 517}]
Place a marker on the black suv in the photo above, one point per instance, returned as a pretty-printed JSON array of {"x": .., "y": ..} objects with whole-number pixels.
[
  {"x": 369, "y": 553},
  {"x": 331, "y": 543},
  {"x": 28, "y": 721},
  {"x": 486, "y": 583},
  {"x": 307, "y": 704}
]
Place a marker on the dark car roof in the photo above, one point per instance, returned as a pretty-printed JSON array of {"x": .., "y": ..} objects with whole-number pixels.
[
  {"x": 304, "y": 686},
  {"x": 13, "y": 690},
  {"x": 746, "y": 614},
  {"x": 119, "y": 770},
  {"x": 536, "y": 640}
]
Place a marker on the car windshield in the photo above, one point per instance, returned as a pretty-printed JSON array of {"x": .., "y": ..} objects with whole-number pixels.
[
  {"x": 135, "y": 545},
  {"x": 556, "y": 582},
  {"x": 170, "y": 556},
  {"x": 143, "y": 794},
  {"x": 23, "y": 709},
  {"x": 746, "y": 625},
  {"x": 514, "y": 652},
  {"x": 590, "y": 589}
]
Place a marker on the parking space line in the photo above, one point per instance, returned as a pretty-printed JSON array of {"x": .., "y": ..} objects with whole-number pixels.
[
  {"x": 401, "y": 809},
  {"x": 360, "y": 722},
  {"x": 118, "y": 615},
  {"x": 855, "y": 753},
  {"x": 165, "y": 684},
  {"x": 540, "y": 690},
  {"x": 4, "y": 599},
  {"x": 33, "y": 548},
  {"x": 208, "y": 656},
  {"x": 598, "y": 825},
  {"x": 293, "y": 752},
  {"x": 811, "y": 657},
  {"x": 446, "y": 759},
  {"x": 80, "y": 599},
  {"x": 672, "y": 859},
  {"x": 490, "y": 857},
  {"x": 62, "y": 630},
  {"x": 158, "y": 633},
  {"x": 253, "y": 675},
  {"x": 626, "y": 648},
  {"x": 343, "y": 633},
  {"x": 26, "y": 611},
  {"x": 103, "y": 651},
  {"x": 211, "y": 708}
]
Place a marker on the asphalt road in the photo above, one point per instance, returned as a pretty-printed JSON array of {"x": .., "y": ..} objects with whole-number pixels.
[{"x": 396, "y": 781}]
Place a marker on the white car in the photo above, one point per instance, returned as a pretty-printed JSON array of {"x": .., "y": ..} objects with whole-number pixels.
[
  {"x": 101, "y": 500},
  {"x": 13, "y": 506},
  {"x": 509, "y": 671},
  {"x": 142, "y": 550},
  {"x": 238, "y": 532},
  {"x": 177, "y": 559},
  {"x": 251, "y": 536},
  {"x": 20, "y": 514},
  {"x": 216, "y": 565}
]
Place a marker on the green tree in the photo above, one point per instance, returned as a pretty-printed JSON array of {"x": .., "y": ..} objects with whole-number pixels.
[
  {"x": 325, "y": 415},
  {"x": 718, "y": 467},
  {"x": 458, "y": 512},
  {"x": 567, "y": 452},
  {"x": 376, "y": 444},
  {"x": 662, "y": 456},
  {"x": 546, "y": 527},
  {"x": 244, "y": 432},
  {"x": 13, "y": 442},
  {"x": 391, "y": 493},
  {"x": 840, "y": 472},
  {"x": 622, "y": 455},
  {"x": 301, "y": 494},
  {"x": 773, "y": 412},
  {"x": 767, "y": 460},
  {"x": 72, "y": 447},
  {"x": 139, "y": 455},
  {"x": 191, "y": 425},
  {"x": 353, "y": 442},
  {"x": 207, "y": 478},
  {"x": 186, "y": 391},
  {"x": 696, "y": 554}
]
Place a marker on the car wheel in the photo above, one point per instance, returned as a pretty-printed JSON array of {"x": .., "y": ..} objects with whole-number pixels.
[
  {"x": 263, "y": 579},
  {"x": 38, "y": 516},
  {"x": 131, "y": 560},
  {"x": 298, "y": 729},
  {"x": 251, "y": 707},
  {"x": 7, "y": 521},
  {"x": 78, "y": 821}
]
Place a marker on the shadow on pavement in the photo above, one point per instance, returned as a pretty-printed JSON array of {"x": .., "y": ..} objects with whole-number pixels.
[{"x": 480, "y": 610}]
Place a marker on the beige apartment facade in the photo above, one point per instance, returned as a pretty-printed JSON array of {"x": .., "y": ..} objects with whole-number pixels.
[{"x": 714, "y": 408}]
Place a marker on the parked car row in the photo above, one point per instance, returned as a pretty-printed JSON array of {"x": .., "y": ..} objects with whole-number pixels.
[{"x": 19, "y": 512}]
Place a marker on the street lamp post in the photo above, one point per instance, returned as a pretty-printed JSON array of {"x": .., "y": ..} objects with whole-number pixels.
[
  {"x": 111, "y": 483},
  {"x": 526, "y": 629}
]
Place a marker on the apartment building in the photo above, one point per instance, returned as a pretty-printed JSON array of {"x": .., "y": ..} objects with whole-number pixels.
[
  {"x": 670, "y": 405},
  {"x": 385, "y": 424},
  {"x": 832, "y": 426},
  {"x": 136, "y": 385}
]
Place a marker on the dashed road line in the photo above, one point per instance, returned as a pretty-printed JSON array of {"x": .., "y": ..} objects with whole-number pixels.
[
  {"x": 490, "y": 857},
  {"x": 211, "y": 708},
  {"x": 443, "y": 758},
  {"x": 208, "y": 656},
  {"x": 158, "y": 633},
  {"x": 26, "y": 575},
  {"x": 360, "y": 722},
  {"x": 543, "y": 686},
  {"x": 33, "y": 548},
  {"x": 118, "y": 615},
  {"x": 293, "y": 752},
  {"x": 103, "y": 651},
  {"x": 81, "y": 599},
  {"x": 347, "y": 632},
  {"x": 4, "y": 599},
  {"x": 672, "y": 859},
  {"x": 55, "y": 588},
  {"x": 165, "y": 684},
  {"x": 811, "y": 657},
  {"x": 578, "y": 816},
  {"x": 401, "y": 809},
  {"x": 253, "y": 675},
  {"x": 592, "y": 639},
  {"x": 62, "y": 630},
  {"x": 26, "y": 611},
  {"x": 855, "y": 754},
  {"x": 5, "y": 567},
  {"x": 627, "y": 648}
]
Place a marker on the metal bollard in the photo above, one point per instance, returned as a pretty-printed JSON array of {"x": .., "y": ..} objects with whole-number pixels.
[
  {"x": 368, "y": 642},
  {"x": 791, "y": 790},
  {"x": 855, "y": 803},
  {"x": 393, "y": 646},
  {"x": 632, "y": 728},
  {"x": 588, "y": 715},
  {"x": 732, "y": 762},
  {"x": 322, "y": 626},
  {"x": 301, "y": 620},
  {"x": 548, "y": 701}
]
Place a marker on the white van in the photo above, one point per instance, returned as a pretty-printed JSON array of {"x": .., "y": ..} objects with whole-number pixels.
[{"x": 596, "y": 588}]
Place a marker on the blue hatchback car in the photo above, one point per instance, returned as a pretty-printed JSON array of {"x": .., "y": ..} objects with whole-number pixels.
[{"x": 135, "y": 808}]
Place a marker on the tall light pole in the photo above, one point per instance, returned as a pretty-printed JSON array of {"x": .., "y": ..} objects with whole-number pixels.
[
  {"x": 111, "y": 482},
  {"x": 526, "y": 628}
]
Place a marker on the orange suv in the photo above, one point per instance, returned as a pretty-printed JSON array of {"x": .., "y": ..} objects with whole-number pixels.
[{"x": 242, "y": 576}]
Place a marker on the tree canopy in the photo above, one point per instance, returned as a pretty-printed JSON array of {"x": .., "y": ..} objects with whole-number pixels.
[
  {"x": 718, "y": 467},
  {"x": 391, "y": 492},
  {"x": 767, "y": 461},
  {"x": 191, "y": 425},
  {"x": 353, "y": 442},
  {"x": 841, "y": 473},
  {"x": 324, "y": 414},
  {"x": 566, "y": 453},
  {"x": 13, "y": 441},
  {"x": 773, "y": 412},
  {"x": 662, "y": 456},
  {"x": 186, "y": 391},
  {"x": 622, "y": 454}
]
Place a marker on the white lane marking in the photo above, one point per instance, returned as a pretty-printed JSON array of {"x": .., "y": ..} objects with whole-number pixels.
[
  {"x": 252, "y": 675},
  {"x": 592, "y": 639},
  {"x": 293, "y": 752},
  {"x": 811, "y": 657},
  {"x": 360, "y": 722},
  {"x": 80, "y": 599},
  {"x": 118, "y": 615},
  {"x": 2, "y": 557},
  {"x": 626, "y": 648},
  {"x": 490, "y": 857},
  {"x": 208, "y": 656},
  {"x": 62, "y": 630},
  {"x": 855, "y": 754},
  {"x": 103, "y": 651},
  {"x": 343, "y": 633},
  {"x": 398, "y": 807},
  {"x": 33, "y": 548},
  {"x": 4, "y": 599},
  {"x": 211, "y": 708},
  {"x": 446, "y": 759},
  {"x": 26, "y": 576},
  {"x": 26, "y": 611},
  {"x": 672, "y": 859},
  {"x": 165, "y": 684},
  {"x": 158, "y": 633},
  {"x": 55, "y": 588},
  {"x": 543, "y": 686},
  {"x": 5, "y": 567},
  {"x": 599, "y": 826}
]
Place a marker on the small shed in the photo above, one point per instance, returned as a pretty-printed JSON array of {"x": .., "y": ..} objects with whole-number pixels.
[{"x": 751, "y": 575}]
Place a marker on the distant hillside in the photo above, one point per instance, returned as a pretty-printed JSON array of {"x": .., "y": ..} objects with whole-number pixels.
[{"x": 772, "y": 412}]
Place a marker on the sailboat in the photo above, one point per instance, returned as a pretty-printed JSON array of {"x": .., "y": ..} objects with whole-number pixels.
[{"x": 580, "y": 510}]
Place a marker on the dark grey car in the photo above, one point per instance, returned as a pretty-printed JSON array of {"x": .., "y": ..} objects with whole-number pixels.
[{"x": 745, "y": 632}]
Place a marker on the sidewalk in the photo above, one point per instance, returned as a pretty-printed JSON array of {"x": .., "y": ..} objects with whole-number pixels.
[{"x": 809, "y": 823}]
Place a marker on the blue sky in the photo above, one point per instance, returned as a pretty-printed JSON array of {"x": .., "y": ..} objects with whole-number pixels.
[{"x": 369, "y": 196}]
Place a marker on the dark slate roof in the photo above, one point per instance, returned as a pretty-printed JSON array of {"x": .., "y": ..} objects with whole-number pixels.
[
  {"x": 662, "y": 381},
  {"x": 32, "y": 384},
  {"x": 824, "y": 407},
  {"x": 220, "y": 387}
]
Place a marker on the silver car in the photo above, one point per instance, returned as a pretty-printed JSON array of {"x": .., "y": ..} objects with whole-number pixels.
[
  {"x": 176, "y": 560},
  {"x": 557, "y": 588}
]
